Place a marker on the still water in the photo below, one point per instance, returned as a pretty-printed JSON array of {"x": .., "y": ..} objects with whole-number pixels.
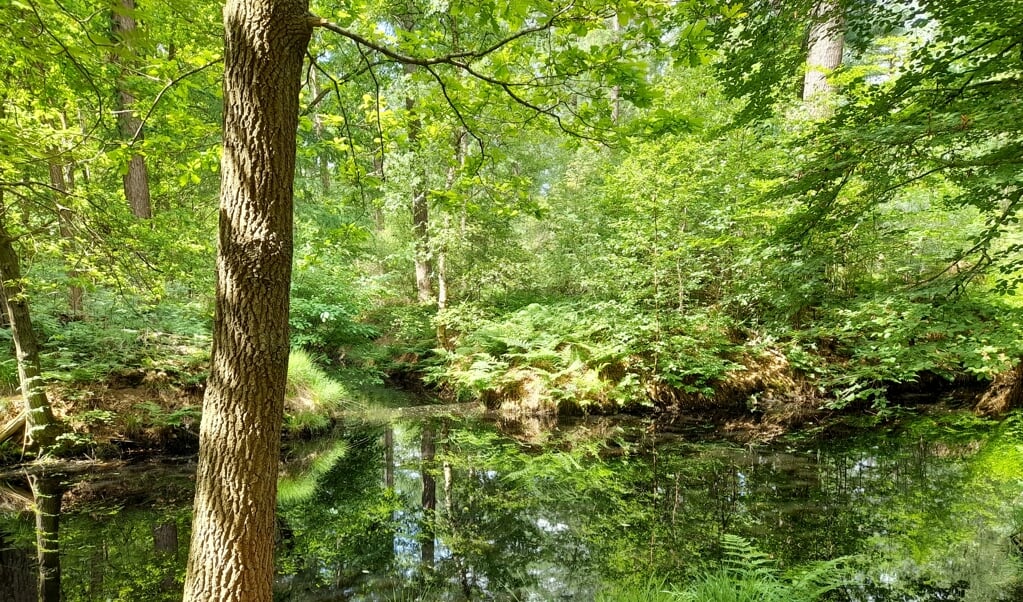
[{"x": 470, "y": 508}]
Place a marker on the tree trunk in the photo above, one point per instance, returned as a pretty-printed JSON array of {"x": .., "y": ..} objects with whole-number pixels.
[
  {"x": 616, "y": 91},
  {"x": 17, "y": 574},
  {"x": 136, "y": 178},
  {"x": 62, "y": 183},
  {"x": 322, "y": 157},
  {"x": 427, "y": 533},
  {"x": 824, "y": 54},
  {"x": 48, "y": 495},
  {"x": 231, "y": 554},
  {"x": 420, "y": 211},
  {"x": 40, "y": 425},
  {"x": 165, "y": 544},
  {"x": 389, "y": 457}
]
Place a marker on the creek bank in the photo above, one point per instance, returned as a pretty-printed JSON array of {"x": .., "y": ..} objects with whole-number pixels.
[
  {"x": 762, "y": 396},
  {"x": 140, "y": 413}
]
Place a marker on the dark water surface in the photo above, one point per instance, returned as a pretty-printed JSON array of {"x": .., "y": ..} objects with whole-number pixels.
[{"x": 465, "y": 508}]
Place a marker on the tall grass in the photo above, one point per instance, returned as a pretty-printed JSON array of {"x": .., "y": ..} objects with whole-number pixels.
[{"x": 312, "y": 399}]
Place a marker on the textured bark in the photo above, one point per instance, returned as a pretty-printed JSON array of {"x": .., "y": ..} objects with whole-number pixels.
[
  {"x": 231, "y": 554},
  {"x": 48, "y": 494},
  {"x": 40, "y": 425},
  {"x": 136, "y": 179},
  {"x": 824, "y": 53}
]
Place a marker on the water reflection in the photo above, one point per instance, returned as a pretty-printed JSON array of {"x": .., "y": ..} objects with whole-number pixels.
[{"x": 446, "y": 509}]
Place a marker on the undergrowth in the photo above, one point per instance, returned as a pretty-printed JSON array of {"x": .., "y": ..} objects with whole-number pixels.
[{"x": 312, "y": 398}]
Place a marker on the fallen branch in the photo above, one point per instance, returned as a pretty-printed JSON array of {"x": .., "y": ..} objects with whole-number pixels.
[{"x": 13, "y": 427}]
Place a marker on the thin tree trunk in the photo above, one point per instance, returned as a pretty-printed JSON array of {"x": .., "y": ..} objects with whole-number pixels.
[
  {"x": 48, "y": 495},
  {"x": 40, "y": 425},
  {"x": 420, "y": 210},
  {"x": 389, "y": 457},
  {"x": 442, "y": 268},
  {"x": 60, "y": 180},
  {"x": 824, "y": 54},
  {"x": 231, "y": 554},
  {"x": 136, "y": 178},
  {"x": 165, "y": 544},
  {"x": 427, "y": 533},
  {"x": 322, "y": 158},
  {"x": 616, "y": 91}
]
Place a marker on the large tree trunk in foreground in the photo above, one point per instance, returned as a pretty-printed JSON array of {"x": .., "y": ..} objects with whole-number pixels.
[
  {"x": 823, "y": 54},
  {"x": 231, "y": 554},
  {"x": 40, "y": 425},
  {"x": 136, "y": 178}
]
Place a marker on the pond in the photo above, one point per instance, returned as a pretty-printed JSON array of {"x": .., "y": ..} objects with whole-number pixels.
[{"x": 473, "y": 508}]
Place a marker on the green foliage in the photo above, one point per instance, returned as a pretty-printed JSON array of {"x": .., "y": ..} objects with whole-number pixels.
[
  {"x": 124, "y": 336},
  {"x": 895, "y": 340},
  {"x": 9, "y": 382},
  {"x": 312, "y": 398},
  {"x": 652, "y": 590},
  {"x": 161, "y": 417},
  {"x": 299, "y": 483},
  {"x": 748, "y": 575},
  {"x": 572, "y": 350},
  {"x": 327, "y": 299}
]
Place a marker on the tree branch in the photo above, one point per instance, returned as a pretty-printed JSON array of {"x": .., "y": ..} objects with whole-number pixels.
[{"x": 170, "y": 84}]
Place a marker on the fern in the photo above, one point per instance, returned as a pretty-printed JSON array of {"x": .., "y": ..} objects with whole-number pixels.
[{"x": 749, "y": 575}]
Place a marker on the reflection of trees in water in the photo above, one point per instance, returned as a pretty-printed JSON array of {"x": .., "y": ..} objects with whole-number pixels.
[
  {"x": 98, "y": 551},
  {"x": 505, "y": 516},
  {"x": 427, "y": 534},
  {"x": 28, "y": 573},
  {"x": 18, "y": 574},
  {"x": 48, "y": 493},
  {"x": 342, "y": 536}
]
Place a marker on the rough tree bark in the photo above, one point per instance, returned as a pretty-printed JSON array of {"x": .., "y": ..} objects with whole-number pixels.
[
  {"x": 40, "y": 425},
  {"x": 231, "y": 554},
  {"x": 824, "y": 53},
  {"x": 136, "y": 179}
]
